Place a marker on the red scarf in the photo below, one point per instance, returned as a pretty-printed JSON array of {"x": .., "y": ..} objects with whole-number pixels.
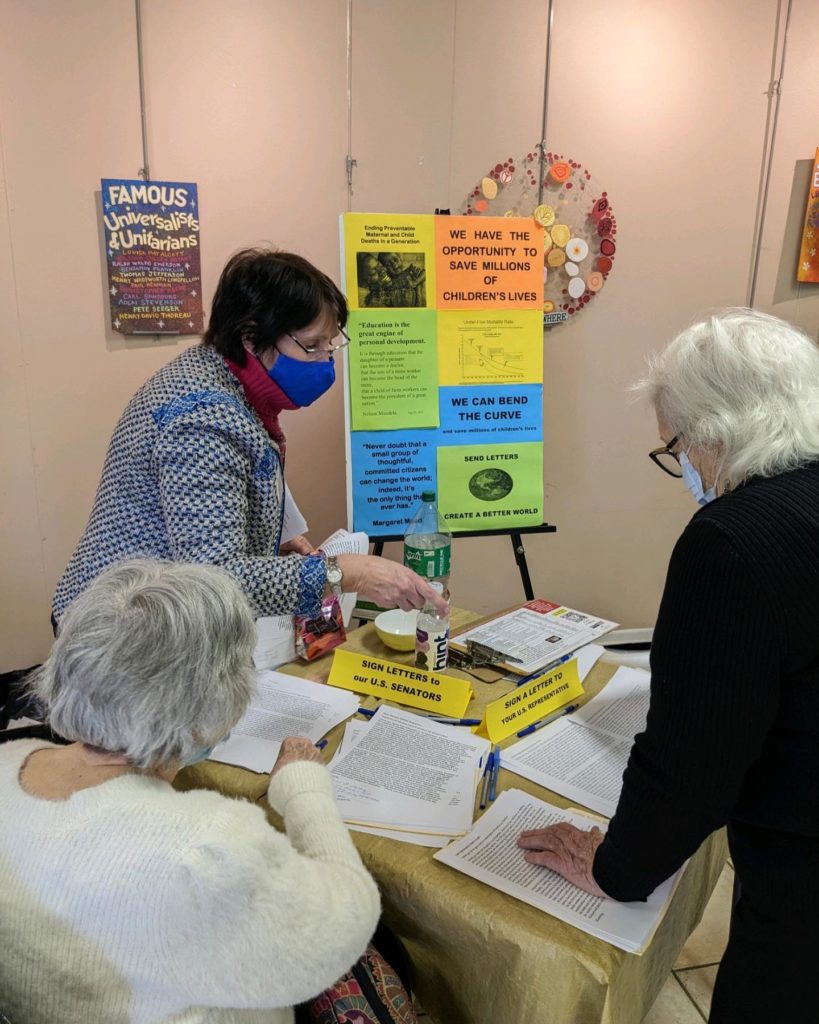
[{"x": 264, "y": 394}]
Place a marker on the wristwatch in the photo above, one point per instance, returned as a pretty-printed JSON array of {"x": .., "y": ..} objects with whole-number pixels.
[{"x": 334, "y": 575}]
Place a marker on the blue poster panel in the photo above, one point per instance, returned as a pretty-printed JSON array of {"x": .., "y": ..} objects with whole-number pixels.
[
  {"x": 390, "y": 469},
  {"x": 497, "y": 414}
]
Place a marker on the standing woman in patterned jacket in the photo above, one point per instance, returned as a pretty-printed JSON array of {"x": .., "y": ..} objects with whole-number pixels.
[{"x": 195, "y": 468}]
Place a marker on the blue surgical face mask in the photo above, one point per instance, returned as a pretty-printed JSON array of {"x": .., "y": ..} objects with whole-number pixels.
[
  {"x": 302, "y": 382},
  {"x": 693, "y": 481},
  {"x": 200, "y": 754}
]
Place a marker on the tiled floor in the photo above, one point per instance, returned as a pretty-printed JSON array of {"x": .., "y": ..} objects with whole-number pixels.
[{"x": 686, "y": 996}]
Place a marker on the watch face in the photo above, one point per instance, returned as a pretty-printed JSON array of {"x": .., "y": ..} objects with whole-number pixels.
[{"x": 334, "y": 574}]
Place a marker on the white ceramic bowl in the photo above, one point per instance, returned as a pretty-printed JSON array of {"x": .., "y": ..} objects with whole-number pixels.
[{"x": 397, "y": 629}]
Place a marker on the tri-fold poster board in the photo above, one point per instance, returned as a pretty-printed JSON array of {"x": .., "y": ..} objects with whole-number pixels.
[{"x": 445, "y": 369}]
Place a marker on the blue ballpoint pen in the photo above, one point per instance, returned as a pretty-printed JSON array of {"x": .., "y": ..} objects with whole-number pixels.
[
  {"x": 322, "y": 744},
  {"x": 487, "y": 772},
  {"x": 493, "y": 777},
  {"x": 545, "y": 721},
  {"x": 544, "y": 670},
  {"x": 367, "y": 712}
]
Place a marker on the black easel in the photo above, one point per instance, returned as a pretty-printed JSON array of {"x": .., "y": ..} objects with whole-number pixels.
[{"x": 515, "y": 535}]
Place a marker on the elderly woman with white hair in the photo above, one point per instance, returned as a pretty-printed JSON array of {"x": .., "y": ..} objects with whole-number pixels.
[
  {"x": 123, "y": 900},
  {"x": 732, "y": 736}
]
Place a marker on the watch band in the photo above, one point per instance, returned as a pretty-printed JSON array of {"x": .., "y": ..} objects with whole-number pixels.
[{"x": 334, "y": 575}]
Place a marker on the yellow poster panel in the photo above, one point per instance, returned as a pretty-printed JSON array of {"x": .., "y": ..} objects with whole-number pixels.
[
  {"x": 389, "y": 260},
  {"x": 489, "y": 261},
  {"x": 530, "y": 703},
  {"x": 488, "y": 347},
  {"x": 404, "y": 684}
]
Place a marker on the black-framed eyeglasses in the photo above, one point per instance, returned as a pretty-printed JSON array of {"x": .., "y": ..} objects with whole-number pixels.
[
  {"x": 316, "y": 350},
  {"x": 666, "y": 459}
]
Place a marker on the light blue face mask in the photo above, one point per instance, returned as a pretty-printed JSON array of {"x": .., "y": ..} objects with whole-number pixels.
[
  {"x": 200, "y": 754},
  {"x": 693, "y": 481}
]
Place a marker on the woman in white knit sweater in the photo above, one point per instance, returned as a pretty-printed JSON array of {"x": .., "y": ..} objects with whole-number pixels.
[{"x": 123, "y": 900}]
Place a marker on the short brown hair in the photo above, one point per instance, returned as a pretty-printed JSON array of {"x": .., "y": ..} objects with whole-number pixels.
[{"x": 263, "y": 294}]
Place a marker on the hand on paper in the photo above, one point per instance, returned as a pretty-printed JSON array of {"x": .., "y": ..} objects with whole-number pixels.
[
  {"x": 297, "y": 546},
  {"x": 295, "y": 748},
  {"x": 387, "y": 583},
  {"x": 567, "y": 850}
]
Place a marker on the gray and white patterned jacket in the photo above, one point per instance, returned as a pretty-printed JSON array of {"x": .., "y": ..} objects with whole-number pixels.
[{"x": 191, "y": 475}]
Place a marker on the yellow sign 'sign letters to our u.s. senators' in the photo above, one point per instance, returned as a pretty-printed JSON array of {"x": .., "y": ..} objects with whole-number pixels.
[{"x": 404, "y": 684}]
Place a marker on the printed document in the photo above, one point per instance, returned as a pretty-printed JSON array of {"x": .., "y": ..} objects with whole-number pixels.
[
  {"x": 283, "y": 706},
  {"x": 405, "y": 773},
  {"x": 538, "y": 634},
  {"x": 490, "y": 854},
  {"x": 583, "y": 756},
  {"x": 352, "y": 733}
]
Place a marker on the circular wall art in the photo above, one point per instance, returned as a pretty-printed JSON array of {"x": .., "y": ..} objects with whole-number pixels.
[{"x": 576, "y": 216}]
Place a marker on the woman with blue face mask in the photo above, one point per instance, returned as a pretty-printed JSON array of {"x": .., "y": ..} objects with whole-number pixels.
[
  {"x": 732, "y": 736},
  {"x": 195, "y": 468}
]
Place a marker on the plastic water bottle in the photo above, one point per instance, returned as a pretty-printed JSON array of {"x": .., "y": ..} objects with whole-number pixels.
[
  {"x": 432, "y": 635},
  {"x": 428, "y": 542}
]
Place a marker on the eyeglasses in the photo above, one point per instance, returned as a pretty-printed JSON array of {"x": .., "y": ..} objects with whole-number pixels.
[
  {"x": 315, "y": 350},
  {"x": 666, "y": 459}
]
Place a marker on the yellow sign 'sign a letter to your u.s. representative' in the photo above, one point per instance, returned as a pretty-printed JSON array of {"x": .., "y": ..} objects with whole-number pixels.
[{"x": 531, "y": 702}]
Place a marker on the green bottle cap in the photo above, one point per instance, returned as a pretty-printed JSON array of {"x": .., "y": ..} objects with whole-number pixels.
[{"x": 428, "y": 496}]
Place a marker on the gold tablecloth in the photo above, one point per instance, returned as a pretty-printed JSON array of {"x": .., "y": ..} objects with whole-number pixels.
[{"x": 480, "y": 956}]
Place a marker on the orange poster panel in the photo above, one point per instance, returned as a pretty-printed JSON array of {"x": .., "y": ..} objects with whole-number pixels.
[
  {"x": 809, "y": 253},
  {"x": 488, "y": 261}
]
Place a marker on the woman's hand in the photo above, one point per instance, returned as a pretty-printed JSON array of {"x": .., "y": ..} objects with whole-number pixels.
[
  {"x": 565, "y": 849},
  {"x": 297, "y": 546},
  {"x": 387, "y": 583},
  {"x": 295, "y": 748}
]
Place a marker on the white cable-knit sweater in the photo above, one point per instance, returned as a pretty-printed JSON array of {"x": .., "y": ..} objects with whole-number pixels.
[{"x": 131, "y": 902}]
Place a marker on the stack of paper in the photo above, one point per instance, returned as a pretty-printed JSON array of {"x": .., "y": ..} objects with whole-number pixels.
[
  {"x": 407, "y": 777},
  {"x": 491, "y": 855},
  {"x": 283, "y": 706},
  {"x": 583, "y": 756}
]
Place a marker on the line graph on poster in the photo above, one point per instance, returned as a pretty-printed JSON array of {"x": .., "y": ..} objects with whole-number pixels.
[{"x": 576, "y": 214}]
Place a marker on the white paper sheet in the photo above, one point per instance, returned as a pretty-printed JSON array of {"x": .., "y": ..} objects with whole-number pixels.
[
  {"x": 583, "y": 756},
  {"x": 578, "y": 763},
  {"x": 353, "y": 731},
  {"x": 275, "y": 641},
  {"x": 403, "y": 771},
  {"x": 283, "y": 706},
  {"x": 621, "y": 707},
  {"x": 491, "y": 855},
  {"x": 293, "y": 522},
  {"x": 536, "y": 638}
]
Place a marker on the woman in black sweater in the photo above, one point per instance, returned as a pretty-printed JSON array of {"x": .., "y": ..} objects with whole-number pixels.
[{"x": 732, "y": 736}]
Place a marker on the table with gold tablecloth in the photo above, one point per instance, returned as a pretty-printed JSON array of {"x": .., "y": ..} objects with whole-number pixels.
[{"x": 480, "y": 956}]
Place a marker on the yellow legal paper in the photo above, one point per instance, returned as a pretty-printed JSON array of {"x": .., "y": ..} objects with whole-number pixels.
[
  {"x": 527, "y": 704},
  {"x": 404, "y": 684}
]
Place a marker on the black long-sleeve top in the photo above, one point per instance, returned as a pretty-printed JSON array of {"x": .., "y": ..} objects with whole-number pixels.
[{"x": 733, "y": 726}]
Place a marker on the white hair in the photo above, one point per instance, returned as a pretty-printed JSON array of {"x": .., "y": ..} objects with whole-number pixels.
[
  {"x": 153, "y": 661},
  {"x": 743, "y": 386}
]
